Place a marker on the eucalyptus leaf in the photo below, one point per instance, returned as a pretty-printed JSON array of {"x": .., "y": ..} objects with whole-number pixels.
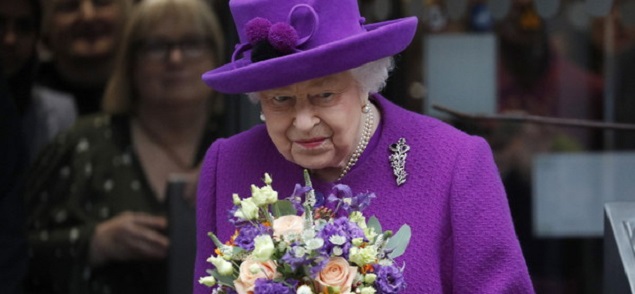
[
  {"x": 225, "y": 280},
  {"x": 373, "y": 222},
  {"x": 397, "y": 244},
  {"x": 282, "y": 208}
]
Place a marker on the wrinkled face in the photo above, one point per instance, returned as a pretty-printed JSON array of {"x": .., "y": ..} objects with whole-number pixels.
[
  {"x": 169, "y": 63},
  {"x": 19, "y": 34},
  {"x": 84, "y": 28},
  {"x": 315, "y": 124}
]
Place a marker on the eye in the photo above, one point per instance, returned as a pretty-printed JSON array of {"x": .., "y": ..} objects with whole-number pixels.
[
  {"x": 323, "y": 99},
  {"x": 281, "y": 99}
]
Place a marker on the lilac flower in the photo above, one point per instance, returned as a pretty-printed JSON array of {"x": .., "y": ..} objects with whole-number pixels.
[
  {"x": 236, "y": 221},
  {"x": 340, "y": 227},
  {"x": 298, "y": 196},
  {"x": 293, "y": 261},
  {"x": 342, "y": 202},
  {"x": 247, "y": 234},
  {"x": 266, "y": 286},
  {"x": 389, "y": 279}
]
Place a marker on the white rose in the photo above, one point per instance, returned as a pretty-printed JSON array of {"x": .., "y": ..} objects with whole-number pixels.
[{"x": 288, "y": 224}]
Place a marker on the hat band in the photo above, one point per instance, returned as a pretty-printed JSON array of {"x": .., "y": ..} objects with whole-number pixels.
[{"x": 281, "y": 37}]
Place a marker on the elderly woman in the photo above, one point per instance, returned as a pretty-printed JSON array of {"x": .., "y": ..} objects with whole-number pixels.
[
  {"x": 316, "y": 70},
  {"x": 96, "y": 197}
]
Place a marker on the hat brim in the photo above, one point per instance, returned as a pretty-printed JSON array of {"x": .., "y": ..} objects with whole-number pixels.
[{"x": 380, "y": 40}]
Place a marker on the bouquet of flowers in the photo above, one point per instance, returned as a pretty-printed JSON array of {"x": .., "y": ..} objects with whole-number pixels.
[{"x": 313, "y": 245}]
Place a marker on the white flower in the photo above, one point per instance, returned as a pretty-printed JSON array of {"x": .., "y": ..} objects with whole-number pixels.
[
  {"x": 304, "y": 289},
  {"x": 208, "y": 281},
  {"x": 264, "y": 195},
  {"x": 358, "y": 218},
  {"x": 337, "y": 251},
  {"x": 370, "y": 233},
  {"x": 264, "y": 248},
  {"x": 314, "y": 243},
  {"x": 363, "y": 256},
  {"x": 357, "y": 242},
  {"x": 236, "y": 199},
  {"x": 337, "y": 240},
  {"x": 367, "y": 290},
  {"x": 248, "y": 210},
  {"x": 299, "y": 251},
  {"x": 268, "y": 179},
  {"x": 370, "y": 278},
  {"x": 223, "y": 266}
]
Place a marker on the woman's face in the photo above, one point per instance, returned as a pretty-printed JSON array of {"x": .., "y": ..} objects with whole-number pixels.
[
  {"x": 169, "y": 63},
  {"x": 19, "y": 34},
  {"x": 84, "y": 28},
  {"x": 315, "y": 124}
]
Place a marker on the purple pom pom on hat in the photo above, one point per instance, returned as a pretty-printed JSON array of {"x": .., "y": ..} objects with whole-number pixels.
[
  {"x": 283, "y": 37},
  {"x": 257, "y": 30}
]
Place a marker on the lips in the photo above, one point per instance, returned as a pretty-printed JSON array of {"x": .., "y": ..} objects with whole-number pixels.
[{"x": 311, "y": 143}]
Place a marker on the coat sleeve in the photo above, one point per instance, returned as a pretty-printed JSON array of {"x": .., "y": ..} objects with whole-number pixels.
[
  {"x": 205, "y": 215},
  {"x": 487, "y": 255}
]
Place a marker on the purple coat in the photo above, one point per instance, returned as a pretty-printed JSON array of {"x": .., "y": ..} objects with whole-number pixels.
[{"x": 463, "y": 239}]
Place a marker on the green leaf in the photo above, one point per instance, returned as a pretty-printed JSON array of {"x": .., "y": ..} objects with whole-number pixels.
[
  {"x": 282, "y": 208},
  {"x": 399, "y": 241},
  {"x": 225, "y": 280},
  {"x": 373, "y": 222}
]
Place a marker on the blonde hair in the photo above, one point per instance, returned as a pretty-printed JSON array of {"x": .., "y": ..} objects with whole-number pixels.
[{"x": 119, "y": 96}]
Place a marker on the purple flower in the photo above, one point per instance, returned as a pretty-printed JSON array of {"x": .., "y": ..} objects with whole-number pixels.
[
  {"x": 342, "y": 202},
  {"x": 389, "y": 279},
  {"x": 293, "y": 261},
  {"x": 265, "y": 286},
  {"x": 340, "y": 227},
  {"x": 247, "y": 234},
  {"x": 236, "y": 221}
]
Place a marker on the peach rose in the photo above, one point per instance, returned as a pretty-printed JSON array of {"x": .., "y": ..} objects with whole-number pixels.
[
  {"x": 337, "y": 273},
  {"x": 287, "y": 224},
  {"x": 247, "y": 278}
]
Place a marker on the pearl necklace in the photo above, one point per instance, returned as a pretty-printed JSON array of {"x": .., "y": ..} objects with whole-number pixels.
[{"x": 361, "y": 146}]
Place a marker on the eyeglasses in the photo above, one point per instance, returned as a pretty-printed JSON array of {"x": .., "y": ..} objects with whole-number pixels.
[{"x": 159, "y": 50}]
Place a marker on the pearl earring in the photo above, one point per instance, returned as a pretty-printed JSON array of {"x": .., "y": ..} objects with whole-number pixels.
[
  {"x": 262, "y": 117},
  {"x": 366, "y": 108}
]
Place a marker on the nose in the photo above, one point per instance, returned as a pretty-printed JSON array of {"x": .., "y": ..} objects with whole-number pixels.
[
  {"x": 305, "y": 118},
  {"x": 87, "y": 9},
  {"x": 175, "y": 54}
]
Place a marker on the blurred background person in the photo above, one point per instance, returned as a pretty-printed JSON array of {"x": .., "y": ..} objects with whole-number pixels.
[
  {"x": 42, "y": 113},
  {"x": 80, "y": 38},
  {"x": 96, "y": 196},
  {"x": 535, "y": 78}
]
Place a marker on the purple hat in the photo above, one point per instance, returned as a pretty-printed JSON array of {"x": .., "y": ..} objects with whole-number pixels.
[{"x": 290, "y": 41}]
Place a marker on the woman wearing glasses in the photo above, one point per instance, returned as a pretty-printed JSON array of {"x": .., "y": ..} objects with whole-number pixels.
[{"x": 96, "y": 196}]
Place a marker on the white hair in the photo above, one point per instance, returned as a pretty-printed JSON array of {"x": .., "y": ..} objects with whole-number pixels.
[{"x": 371, "y": 77}]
